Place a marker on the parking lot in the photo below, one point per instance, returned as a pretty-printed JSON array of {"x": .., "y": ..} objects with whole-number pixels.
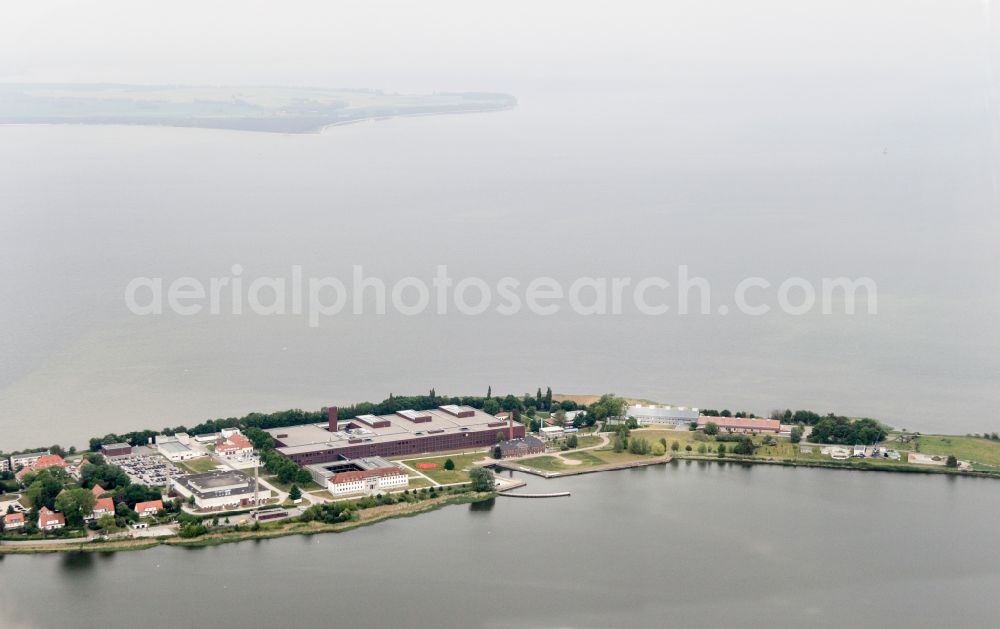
[{"x": 147, "y": 469}]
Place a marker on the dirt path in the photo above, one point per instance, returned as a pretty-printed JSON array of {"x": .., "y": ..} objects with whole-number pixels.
[{"x": 560, "y": 455}]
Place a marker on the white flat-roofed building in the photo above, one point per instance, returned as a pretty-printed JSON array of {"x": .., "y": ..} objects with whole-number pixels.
[
  {"x": 551, "y": 432},
  {"x": 216, "y": 490},
  {"x": 27, "y": 459},
  {"x": 175, "y": 450},
  {"x": 651, "y": 414}
]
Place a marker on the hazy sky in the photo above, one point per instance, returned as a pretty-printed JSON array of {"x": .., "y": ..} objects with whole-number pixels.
[
  {"x": 770, "y": 137},
  {"x": 478, "y": 45}
]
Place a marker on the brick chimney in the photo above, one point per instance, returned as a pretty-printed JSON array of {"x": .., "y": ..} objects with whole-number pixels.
[
  {"x": 510, "y": 428},
  {"x": 333, "y": 419}
]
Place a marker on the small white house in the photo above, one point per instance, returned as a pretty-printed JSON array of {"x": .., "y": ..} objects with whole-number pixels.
[
  {"x": 50, "y": 520},
  {"x": 551, "y": 432}
]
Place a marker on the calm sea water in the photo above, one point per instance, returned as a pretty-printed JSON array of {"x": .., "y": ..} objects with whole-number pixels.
[
  {"x": 589, "y": 183},
  {"x": 685, "y": 545}
]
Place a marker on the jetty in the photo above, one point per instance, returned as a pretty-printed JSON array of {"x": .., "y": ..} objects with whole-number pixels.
[{"x": 555, "y": 494}]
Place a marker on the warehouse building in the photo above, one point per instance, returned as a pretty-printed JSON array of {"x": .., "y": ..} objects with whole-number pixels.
[
  {"x": 174, "y": 450},
  {"x": 405, "y": 432},
  {"x": 651, "y": 414},
  {"x": 112, "y": 450},
  {"x": 741, "y": 424}
]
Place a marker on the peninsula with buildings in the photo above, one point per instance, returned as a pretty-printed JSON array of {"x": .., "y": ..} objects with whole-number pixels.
[
  {"x": 296, "y": 472},
  {"x": 249, "y": 108}
]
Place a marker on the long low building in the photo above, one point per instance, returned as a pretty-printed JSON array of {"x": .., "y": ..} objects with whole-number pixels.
[
  {"x": 216, "y": 490},
  {"x": 741, "y": 424},
  {"x": 367, "y": 481},
  {"x": 405, "y": 432},
  {"x": 651, "y": 414},
  {"x": 370, "y": 475},
  {"x": 25, "y": 460}
]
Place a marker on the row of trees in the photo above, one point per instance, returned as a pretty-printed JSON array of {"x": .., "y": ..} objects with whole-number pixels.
[
  {"x": 294, "y": 417},
  {"x": 285, "y": 469},
  {"x": 844, "y": 430},
  {"x": 726, "y": 413}
]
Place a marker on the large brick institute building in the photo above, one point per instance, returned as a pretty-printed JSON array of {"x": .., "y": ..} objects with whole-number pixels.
[{"x": 406, "y": 432}]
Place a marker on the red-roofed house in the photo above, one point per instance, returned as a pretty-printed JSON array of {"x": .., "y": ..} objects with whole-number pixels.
[
  {"x": 44, "y": 461},
  {"x": 50, "y": 520},
  {"x": 103, "y": 507},
  {"x": 148, "y": 509},
  {"x": 98, "y": 491},
  {"x": 234, "y": 446},
  {"x": 368, "y": 481},
  {"x": 741, "y": 424},
  {"x": 13, "y": 521}
]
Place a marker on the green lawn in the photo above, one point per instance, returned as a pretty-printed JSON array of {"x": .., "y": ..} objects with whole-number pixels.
[
  {"x": 459, "y": 475},
  {"x": 286, "y": 487},
  {"x": 546, "y": 463},
  {"x": 199, "y": 465},
  {"x": 984, "y": 452},
  {"x": 416, "y": 482},
  {"x": 590, "y": 458}
]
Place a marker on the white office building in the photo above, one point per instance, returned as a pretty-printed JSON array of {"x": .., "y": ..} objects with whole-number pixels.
[{"x": 367, "y": 481}]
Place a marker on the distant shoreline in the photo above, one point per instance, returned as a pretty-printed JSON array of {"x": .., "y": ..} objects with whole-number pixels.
[
  {"x": 262, "y": 109},
  {"x": 318, "y": 130}
]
